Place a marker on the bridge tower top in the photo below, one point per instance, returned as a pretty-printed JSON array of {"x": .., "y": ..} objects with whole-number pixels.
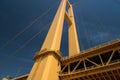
[
  {"x": 48, "y": 59},
  {"x": 53, "y": 38}
]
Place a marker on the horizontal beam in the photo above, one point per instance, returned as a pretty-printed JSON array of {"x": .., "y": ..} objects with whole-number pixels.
[
  {"x": 68, "y": 3},
  {"x": 67, "y": 17},
  {"x": 115, "y": 45}
]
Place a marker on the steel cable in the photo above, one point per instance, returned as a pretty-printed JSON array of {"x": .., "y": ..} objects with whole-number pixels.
[
  {"x": 78, "y": 29},
  {"x": 26, "y": 43},
  {"x": 84, "y": 28},
  {"x": 77, "y": 2},
  {"x": 28, "y": 26},
  {"x": 82, "y": 21}
]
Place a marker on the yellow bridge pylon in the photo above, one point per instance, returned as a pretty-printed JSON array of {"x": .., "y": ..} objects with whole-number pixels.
[{"x": 99, "y": 63}]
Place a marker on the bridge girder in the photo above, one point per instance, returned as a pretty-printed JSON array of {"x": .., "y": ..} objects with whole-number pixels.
[{"x": 101, "y": 63}]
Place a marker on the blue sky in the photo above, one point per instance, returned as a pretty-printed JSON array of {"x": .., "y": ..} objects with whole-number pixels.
[{"x": 97, "y": 21}]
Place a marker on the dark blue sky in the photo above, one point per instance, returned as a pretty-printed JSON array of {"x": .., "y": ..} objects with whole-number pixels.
[{"x": 97, "y": 21}]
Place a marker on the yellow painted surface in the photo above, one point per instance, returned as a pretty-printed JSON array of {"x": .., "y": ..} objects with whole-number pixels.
[
  {"x": 46, "y": 66},
  {"x": 4, "y": 79},
  {"x": 72, "y": 35},
  {"x": 53, "y": 38}
]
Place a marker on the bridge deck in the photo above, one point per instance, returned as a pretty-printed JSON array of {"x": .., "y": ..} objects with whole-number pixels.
[{"x": 101, "y": 63}]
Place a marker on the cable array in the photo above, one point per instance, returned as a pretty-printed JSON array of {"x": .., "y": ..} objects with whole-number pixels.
[
  {"x": 15, "y": 52},
  {"x": 24, "y": 45},
  {"x": 28, "y": 26}
]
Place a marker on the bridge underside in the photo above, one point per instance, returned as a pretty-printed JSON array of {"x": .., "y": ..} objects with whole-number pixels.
[
  {"x": 99, "y": 63},
  {"x": 111, "y": 72}
]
